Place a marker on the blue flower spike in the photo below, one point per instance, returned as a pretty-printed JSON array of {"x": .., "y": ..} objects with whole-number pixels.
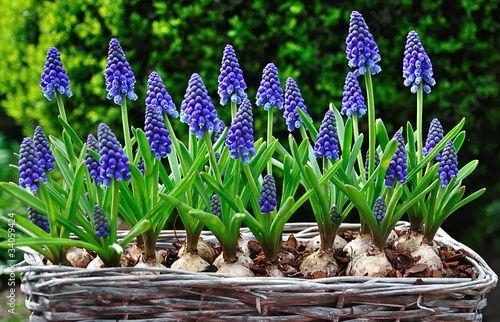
[
  {"x": 270, "y": 93},
  {"x": 362, "y": 51},
  {"x": 352, "y": 98},
  {"x": 379, "y": 209},
  {"x": 218, "y": 133},
  {"x": 417, "y": 67},
  {"x": 215, "y": 206},
  {"x": 327, "y": 144},
  {"x": 293, "y": 100},
  {"x": 30, "y": 167},
  {"x": 197, "y": 109},
  {"x": 54, "y": 78},
  {"x": 448, "y": 165},
  {"x": 43, "y": 149},
  {"x": 267, "y": 199},
  {"x": 377, "y": 162},
  {"x": 101, "y": 224},
  {"x": 239, "y": 137},
  {"x": 158, "y": 96},
  {"x": 397, "y": 166},
  {"x": 120, "y": 79},
  {"x": 231, "y": 83},
  {"x": 435, "y": 135},
  {"x": 114, "y": 163},
  {"x": 156, "y": 133},
  {"x": 334, "y": 215},
  {"x": 39, "y": 219},
  {"x": 92, "y": 165}
]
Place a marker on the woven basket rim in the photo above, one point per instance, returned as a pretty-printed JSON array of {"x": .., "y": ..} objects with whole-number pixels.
[{"x": 58, "y": 275}]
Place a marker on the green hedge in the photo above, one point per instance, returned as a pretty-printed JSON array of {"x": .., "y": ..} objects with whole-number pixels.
[{"x": 306, "y": 40}]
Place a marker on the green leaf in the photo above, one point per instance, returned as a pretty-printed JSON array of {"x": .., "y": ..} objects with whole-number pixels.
[
  {"x": 24, "y": 196},
  {"x": 74, "y": 137},
  {"x": 466, "y": 170},
  {"x": 382, "y": 136},
  {"x": 309, "y": 125},
  {"x": 145, "y": 151},
  {"x": 138, "y": 229}
]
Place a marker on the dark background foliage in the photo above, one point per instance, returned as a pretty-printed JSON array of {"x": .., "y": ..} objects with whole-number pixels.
[{"x": 305, "y": 39}]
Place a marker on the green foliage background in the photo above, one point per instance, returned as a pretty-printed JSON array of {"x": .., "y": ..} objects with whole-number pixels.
[{"x": 305, "y": 39}]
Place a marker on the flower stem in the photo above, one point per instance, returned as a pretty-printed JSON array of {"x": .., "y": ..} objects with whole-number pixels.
[
  {"x": 269, "y": 137},
  {"x": 420, "y": 112},
  {"x": 360, "y": 157},
  {"x": 126, "y": 130},
  {"x": 371, "y": 122},
  {"x": 175, "y": 141},
  {"x": 253, "y": 185},
  {"x": 113, "y": 218},
  {"x": 234, "y": 108},
  {"x": 211, "y": 155},
  {"x": 60, "y": 104}
]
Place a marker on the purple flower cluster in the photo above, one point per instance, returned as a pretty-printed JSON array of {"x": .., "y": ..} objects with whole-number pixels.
[
  {"x": 448, "y": 166},
  {"x": 435, "y": 135},
  {"x": 140, "y": 165},
  {"x": 218, "y": 133},
  {"x": 156, "y": 133},
  {"x": 267, "y": 199},
  {"x": 39, "y": 219},
  {"x": 120, "y": 79},
  {"x": 334, "y": 215},
  {"x": 417, "y": 67},
  {"x": 379, "y": 209},
  {"x": 239, "y": 137},
  {"x": 377, "y": 162},
  {"x": 101, "y": 224},
  {"x": 327, "y": 144},
  {"x": 43, "y": 149},
  {"x": 158, "y": 96},
  {"x": 352, "y": 98},
  {"x": 231, "y": 82},
  {"x": 362, "y": 51},
  {"x": 54, "y": 78},
  {"x": 270, "y": 93},
  {"x": 30, "y": 167},
  {"x": 397, "y": 166},
  {"x": 197, "y": 109},
  {"x": 215, "y": 206},
  {"x": 293, "y": 100},
  {"x": 114, "y": 163},
  {"x": 91, "y": 163}
]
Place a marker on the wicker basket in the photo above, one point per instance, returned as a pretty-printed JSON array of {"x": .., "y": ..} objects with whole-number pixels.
[{"x": 56, "y": 293}]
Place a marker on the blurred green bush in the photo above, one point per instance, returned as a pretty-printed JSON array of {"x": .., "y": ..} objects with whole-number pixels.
[{"x": 305, "y": 39}]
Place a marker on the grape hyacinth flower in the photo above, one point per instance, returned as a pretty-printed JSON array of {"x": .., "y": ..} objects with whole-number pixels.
[
  {"x": 101, "y": 224},
  {"x": 158, "y": 96},
  {"x": 379, "y": 209},
  {"x": 267, "y": 199},
  {"x": 120, "y": 79},
  {"x": 30, "y": 167},
  {"x": 215, "y": 206},
  {"x": 39, "y": 219},
  {"x": 43, "y": 149},
  {"x": 435, "y": 135},
  {"x": 397, "y": 166},
  {"x": 114, "y": 163},
  {"x": 417, "y": 67},
  {"x": 156, "y": 133},
  {"x": 231, "y": 82},
  {"x": 88, "y": 199},
  {"x": 270, "y": 93},
  {"x": 448, "y": 166},
  {"x": 352, "y": 98},
  {"x": 327, "y": 144},
  {"x": 140, "y": 165},
  {"x": 197, "y": 109},
  {"x": 375, "y": 166},
  {"x": 362, "y": 51},
  {"x": 218, "y": 133},
  {"x": 293, "y": 100},
  {"x": 334, "y": 215},
  {"x": 239, "y": 137},
  {"x": 91, "y": 163},
  {"x": 54, "y": 78}
]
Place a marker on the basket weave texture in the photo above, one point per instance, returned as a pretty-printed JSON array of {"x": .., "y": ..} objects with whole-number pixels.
[{"x": 60, "y": 293}]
